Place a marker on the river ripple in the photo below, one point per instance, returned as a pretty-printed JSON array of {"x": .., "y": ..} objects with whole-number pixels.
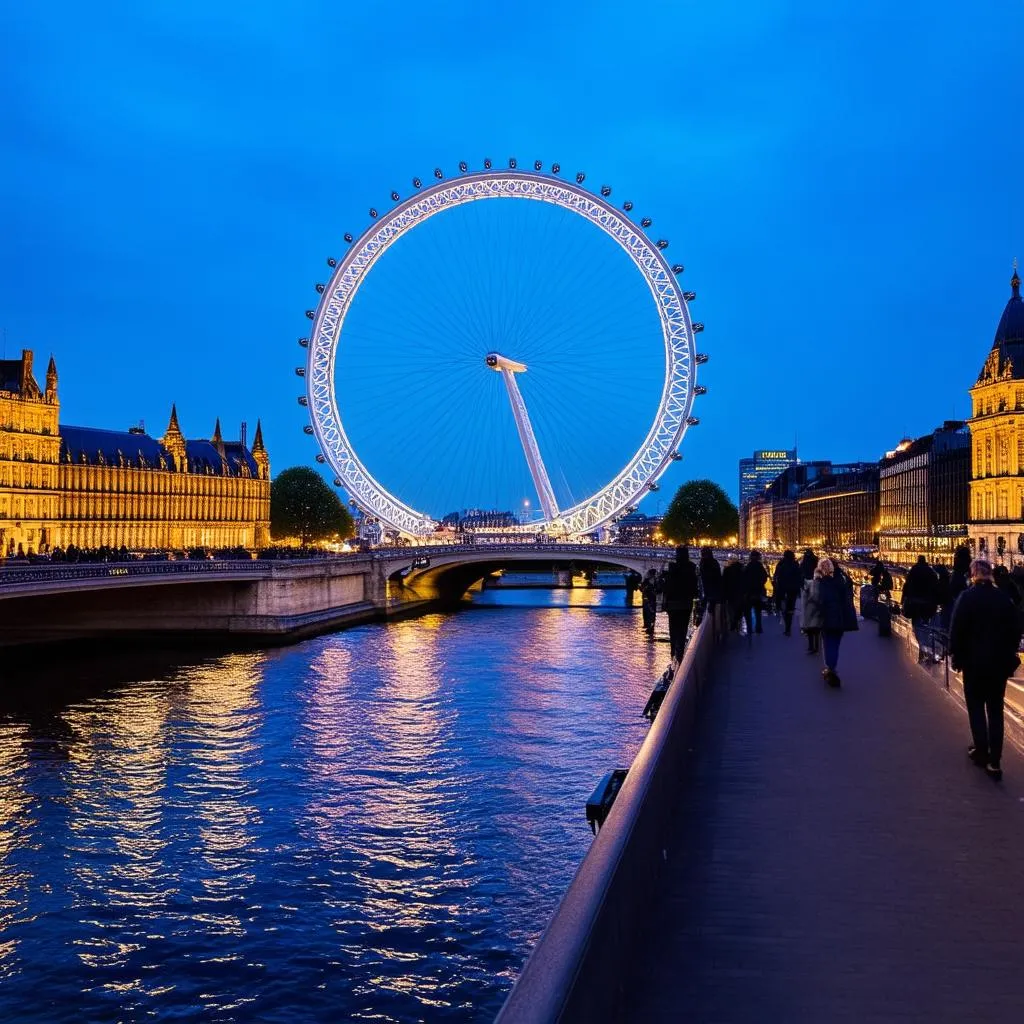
[{"x": 373, "y": 825}]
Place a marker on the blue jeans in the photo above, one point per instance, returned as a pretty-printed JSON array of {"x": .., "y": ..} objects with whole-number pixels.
[{"x": 830, "y": 647}]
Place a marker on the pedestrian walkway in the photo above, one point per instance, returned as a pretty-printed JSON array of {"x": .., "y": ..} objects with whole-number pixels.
[{"x": 838, "y": 858}]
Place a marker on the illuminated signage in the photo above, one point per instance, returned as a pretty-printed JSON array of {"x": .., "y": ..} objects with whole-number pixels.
[{"x": 774, "y": 455}]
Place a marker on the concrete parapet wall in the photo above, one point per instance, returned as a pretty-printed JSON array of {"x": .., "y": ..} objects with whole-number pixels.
[{"x": 577, "y": 970}]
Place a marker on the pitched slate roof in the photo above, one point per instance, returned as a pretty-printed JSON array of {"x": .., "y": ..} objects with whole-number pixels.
[{"x": 94, "y": 447}]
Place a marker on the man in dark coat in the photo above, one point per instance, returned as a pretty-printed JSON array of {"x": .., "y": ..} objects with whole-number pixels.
[
  {"x": 787, "y": 582},
  {"x": 808, "y": 563},
  {"x": 732, "y": 590},
  {"x": 710, "y": 579},
  {"x": 680, "y": 591},
  {"x": 983, "y": 640},
  {"x": 881, "y": 579},
  {"x": 920, "y": 602},
  {"x": 755, "y": 576}
]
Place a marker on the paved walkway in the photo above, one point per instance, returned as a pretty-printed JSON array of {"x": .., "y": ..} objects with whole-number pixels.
[{"x": 838, "y": 857}]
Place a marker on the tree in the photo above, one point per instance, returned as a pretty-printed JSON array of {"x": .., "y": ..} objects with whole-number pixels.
[
  {"x": 302, "y": 505},
  {"x": 700, "y": 509}
]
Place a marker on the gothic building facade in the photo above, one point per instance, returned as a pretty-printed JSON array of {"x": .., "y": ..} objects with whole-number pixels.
[
  {"x": 996, "y": 499},
  {"x": 62, "y": 485}
]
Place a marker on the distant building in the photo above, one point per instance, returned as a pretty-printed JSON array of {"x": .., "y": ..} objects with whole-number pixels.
[
  {"x": 923, "y": 488},
  {"x": 639, "y": 530},
  {"x": 62, "y": 485},
  {"x": 839, "y": 510},
  {"x": 758, "y": 472},
  {"x": 772, "y": 519},
  {"x": 996, "y": 507}
]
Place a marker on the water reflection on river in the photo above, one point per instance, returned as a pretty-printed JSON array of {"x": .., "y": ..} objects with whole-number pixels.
[{"x": 374, "y": 825}]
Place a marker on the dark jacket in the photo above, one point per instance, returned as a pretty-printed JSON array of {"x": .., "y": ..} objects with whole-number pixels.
[
  {"x": 984, "y": 634},
  {"x": 788, "y": 579},
  {"x": 920, "y": 592},
  {"x": 828, "y": 605},
  {"x": 680, "y": 586},
  {"x": 881, "y": 578},
  {"x": 732, "y": 583},
  {"x": 755, "y": 576},
  {"x": 808, "y": 564},
  {"x": 711, "y": 578},
  {"x": 958, "y": 583}
]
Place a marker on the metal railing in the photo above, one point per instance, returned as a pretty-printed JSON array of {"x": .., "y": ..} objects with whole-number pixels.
[{"x": 13, "y": 575}]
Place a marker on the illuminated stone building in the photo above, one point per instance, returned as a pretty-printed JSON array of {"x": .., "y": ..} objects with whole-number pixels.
[
  {"x": 839, "y": 510},
  {"x": 923, "y": 496},
  {"x": 997, "y": 440},
  {"x": 63, "y": 485}
]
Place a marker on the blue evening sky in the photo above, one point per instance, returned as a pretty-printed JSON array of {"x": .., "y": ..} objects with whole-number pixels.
[{"x": 841, "y": 180}]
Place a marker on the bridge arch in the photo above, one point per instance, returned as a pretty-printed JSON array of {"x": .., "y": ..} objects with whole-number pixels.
[{"x": 451, "y": 571}]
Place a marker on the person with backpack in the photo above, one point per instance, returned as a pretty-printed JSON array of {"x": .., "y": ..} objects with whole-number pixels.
[{"x": 787, "y": 582}]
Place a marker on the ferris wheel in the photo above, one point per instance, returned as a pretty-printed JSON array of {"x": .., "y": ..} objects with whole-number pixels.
[{"x": 530, "y": 360}]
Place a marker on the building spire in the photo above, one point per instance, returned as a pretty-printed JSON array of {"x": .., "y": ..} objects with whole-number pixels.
[
  {"x": 51, "y": 380},
  {"x": 217, "y": 438},
  {"x": 172, "y": 426},
  {"x": 1015, "y": 280},
  {"x": 257, "y": 441}
]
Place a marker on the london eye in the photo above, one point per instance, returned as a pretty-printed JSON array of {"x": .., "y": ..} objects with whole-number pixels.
[{"x": 503, "y": 339}]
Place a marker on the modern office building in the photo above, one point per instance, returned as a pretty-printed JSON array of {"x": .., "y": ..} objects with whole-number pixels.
[
  {"x": 758, "y": 472},
  {"x": 923, "y": 488},
  {"x": 996, "y": 503}
]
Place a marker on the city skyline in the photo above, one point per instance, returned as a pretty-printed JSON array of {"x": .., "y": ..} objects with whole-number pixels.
[{"x": 823, "y": 180}]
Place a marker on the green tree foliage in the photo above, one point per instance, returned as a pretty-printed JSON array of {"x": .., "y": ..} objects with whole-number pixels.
[
  {"x": 302, "y": 505},
  {"x": 700, "y": 509}
]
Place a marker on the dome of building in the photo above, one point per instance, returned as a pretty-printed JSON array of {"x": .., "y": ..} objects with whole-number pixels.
[{"x": 1007, "y": 355}]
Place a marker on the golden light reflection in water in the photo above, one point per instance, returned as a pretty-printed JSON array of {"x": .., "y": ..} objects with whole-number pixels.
[
  {"x": 397, "y": 830},
  {"x": 15, "y": 804}
]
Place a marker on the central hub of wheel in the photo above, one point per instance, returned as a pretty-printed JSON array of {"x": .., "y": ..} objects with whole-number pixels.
[{"x": 496, "y": 361}]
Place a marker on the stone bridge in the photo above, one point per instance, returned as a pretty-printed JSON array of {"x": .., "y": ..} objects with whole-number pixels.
[{"x": 267, "y": 601}]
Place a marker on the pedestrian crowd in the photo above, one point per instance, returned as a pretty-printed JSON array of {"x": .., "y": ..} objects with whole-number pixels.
[{"x": 974, "y": 613}]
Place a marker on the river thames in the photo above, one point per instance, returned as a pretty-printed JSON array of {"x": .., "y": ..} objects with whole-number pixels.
[{"x": 371, "y": 825}]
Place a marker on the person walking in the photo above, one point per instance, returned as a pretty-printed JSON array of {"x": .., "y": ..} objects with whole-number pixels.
[
  {"x": 649, "y": 600},
  {"x": 808, "y": 563},
  {"x": 732, "y": 591},
  {"x": 755, "y": 576},
  {"x": 680, "y": 591},
  {"x": 787, "y": 582},
  {"x": 920, "y": 602},
  {"x": 710, "y": 579},
  {"x": 881, "y": 580},
  {"x": 829, "y": 610},
  {"x": 983, "y": 639}
]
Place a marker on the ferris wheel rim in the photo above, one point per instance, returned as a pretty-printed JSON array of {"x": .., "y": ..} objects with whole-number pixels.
[{"x": 666, "y": 433}]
